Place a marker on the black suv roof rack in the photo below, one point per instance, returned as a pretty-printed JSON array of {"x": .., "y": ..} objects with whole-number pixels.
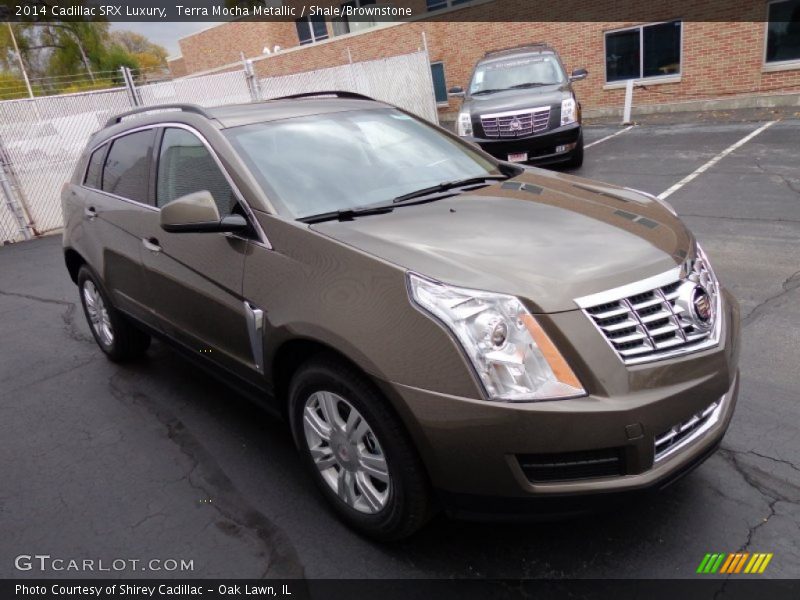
[
  {"x": 533, "y": 46},
  {"x": 190, "y": 108},
  {"x": 337, "y": 93}
]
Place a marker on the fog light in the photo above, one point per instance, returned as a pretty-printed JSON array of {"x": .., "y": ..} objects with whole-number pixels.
[{"x": 565, "y": 148}]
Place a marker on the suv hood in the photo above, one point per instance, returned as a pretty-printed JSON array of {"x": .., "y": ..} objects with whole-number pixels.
[
  {"x": 545, "y": 237},
  {"x": 521, "y": 99}
]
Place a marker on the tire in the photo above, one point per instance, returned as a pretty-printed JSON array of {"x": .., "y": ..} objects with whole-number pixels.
[
  {"x": 576, "y": 160},
  {"x": 387, "y": 513},
  {"x": 116, "y": 335}
]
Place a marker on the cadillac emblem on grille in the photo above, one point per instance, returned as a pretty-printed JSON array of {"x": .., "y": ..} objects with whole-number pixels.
[
  {"x": 696, "y": 305},
  {"x": 515, "y": 124}
]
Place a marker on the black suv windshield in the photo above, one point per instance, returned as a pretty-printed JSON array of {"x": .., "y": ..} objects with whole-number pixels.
[
  {"x": 518, "y": 72},
  {"x": 344, "y": 160}
]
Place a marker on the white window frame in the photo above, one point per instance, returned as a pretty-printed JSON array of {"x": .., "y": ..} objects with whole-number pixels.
[
  {"x": 359, "y": 3},
  {"x": 447, "y": 4},
  {"x": 651, "y": 79},
  {"x": 314, "y": 38},
  {"x": 775, "y": 65},
  {"x": 443, "y": 103}
]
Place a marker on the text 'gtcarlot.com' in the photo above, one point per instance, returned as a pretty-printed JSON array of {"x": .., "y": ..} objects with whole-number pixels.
[{"x": 45, "y": 562}]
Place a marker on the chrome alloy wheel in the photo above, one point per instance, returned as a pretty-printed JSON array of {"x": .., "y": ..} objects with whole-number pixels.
[
  {"x": 98, "y": 313},
  {"x": 347, "y": 452}
]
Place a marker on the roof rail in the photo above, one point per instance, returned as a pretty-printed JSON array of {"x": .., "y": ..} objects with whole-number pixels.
[
  {"x": 530, "y": 45},
  {"x": 190, "y": 108},
  {"x": 337, "y": 93}
]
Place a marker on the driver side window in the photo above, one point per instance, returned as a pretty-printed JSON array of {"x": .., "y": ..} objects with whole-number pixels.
[{"x": 186, "y": 166}]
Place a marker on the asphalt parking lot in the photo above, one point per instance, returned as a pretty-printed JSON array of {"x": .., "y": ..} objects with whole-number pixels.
[{"x": 157, "y": 460}]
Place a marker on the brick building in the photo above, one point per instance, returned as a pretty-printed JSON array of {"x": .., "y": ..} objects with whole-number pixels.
[{"x": 680, "y": 50}]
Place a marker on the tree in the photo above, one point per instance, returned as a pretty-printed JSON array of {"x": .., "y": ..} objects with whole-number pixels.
[
  {"x": 12, "y": 86},
  {"x": 66, "y": 55},
  {"x": 151, "y": 58}
]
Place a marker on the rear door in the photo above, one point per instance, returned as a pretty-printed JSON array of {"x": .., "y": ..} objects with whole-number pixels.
[
  {"x": 195, "y": 279},
  {"x": 117, "y": 211}
]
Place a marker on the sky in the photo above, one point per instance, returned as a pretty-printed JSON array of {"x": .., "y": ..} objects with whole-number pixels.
[{"x": 166, "y": 34}]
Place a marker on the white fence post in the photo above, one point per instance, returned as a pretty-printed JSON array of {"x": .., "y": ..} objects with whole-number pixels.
[
  {"x": 430, "y": 76},
  {"x": 252, "y": 81},
  {"x": 626, "y": 113},
  {"x": 12, "y": 205},
  {"x": 130, "y": 86}
]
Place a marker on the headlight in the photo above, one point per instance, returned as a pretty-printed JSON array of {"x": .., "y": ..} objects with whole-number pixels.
[
  {"x": 511, "y": 353},
  {"x": 464, "y": 124},
  {"x": 569, "y": 111}
]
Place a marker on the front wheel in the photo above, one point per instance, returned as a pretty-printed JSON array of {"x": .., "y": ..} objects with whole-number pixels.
[
  {"x": 113, "y": 332},
  {"x": 357, "y": 451}
]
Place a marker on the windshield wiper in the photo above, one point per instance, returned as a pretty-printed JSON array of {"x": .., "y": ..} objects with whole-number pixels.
[
  {"x": 528, "y": 85},
  {"x": 347, "y": 214},
  {"x": 490, "y": 91},
  {"x": 448, "y": 185}
]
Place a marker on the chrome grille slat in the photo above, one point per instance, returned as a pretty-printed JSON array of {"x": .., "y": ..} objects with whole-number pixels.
[
  {"x": 633, "y": 337},
  {"x": 668, "y": 328},
  {"x": 617, "y": 326},
  {"x": 647, "y": 322},
  {"x": 661, "y": 314},
  {"x": 611, "y": 313},
  {"x": 684, "y": 433},
  {"x": 646, "y": 303},
  {"x": 530, "y": 121}
]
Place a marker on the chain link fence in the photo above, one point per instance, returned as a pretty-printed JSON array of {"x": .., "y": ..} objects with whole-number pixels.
[
  {"x": 404, "y": 81},
  {"x": 207, "y": 90},
  {"x": 42, "y": 138}
]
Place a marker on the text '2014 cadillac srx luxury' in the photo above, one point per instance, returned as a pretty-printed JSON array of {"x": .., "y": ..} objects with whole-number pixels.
[{"x": 439, "y": 328}]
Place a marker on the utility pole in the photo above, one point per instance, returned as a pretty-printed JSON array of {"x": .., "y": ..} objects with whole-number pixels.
[{"x": 19, "y": 58}]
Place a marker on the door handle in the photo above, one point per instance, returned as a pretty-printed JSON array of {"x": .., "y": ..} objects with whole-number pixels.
[
  {"x": 90, "y": 213},
  {"x": 151, "y": 245}
]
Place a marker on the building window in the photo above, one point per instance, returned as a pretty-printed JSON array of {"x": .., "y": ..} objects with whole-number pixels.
[
  {"x": 440, "y": 4},
  {"x": 311, "y": 29},
  {"x": 344, "y": 25},
  {"x": 439, "y": 83},
  {"x": 644, "y": 51},
  {"x": 783, "y": 31}
]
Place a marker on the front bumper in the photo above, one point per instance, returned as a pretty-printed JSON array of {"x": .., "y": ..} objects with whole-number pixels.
[
  {"x": 480, "y": 450},
  {"x": 541, "y": 147}
]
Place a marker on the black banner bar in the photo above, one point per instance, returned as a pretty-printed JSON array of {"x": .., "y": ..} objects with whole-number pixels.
[
  {"x": 395, "y": 10},
  {"x": 412, "y": 589}
]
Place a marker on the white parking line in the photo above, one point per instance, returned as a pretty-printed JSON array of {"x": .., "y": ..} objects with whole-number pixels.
[
  {"x": 714, "y": 161},
  {"x": 608, "y": 137}
]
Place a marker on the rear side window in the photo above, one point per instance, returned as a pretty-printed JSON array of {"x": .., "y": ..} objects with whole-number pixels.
[
  {"x": 127, "y": 166},
  {"x": 94, "y": 172},
  {"x": 186, "y": 166}
]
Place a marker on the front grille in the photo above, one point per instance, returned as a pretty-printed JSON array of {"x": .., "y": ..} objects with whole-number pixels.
[
  {"x": 681, "y": 434},
  {"x": 516, "y": 124},
  {"x": 652, "y": 324},
  {"x": 584, "y": 464}
]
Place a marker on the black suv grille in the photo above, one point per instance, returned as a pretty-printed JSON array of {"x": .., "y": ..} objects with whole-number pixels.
[
  {"x": 515, "y": 123},
  {"x": 584, "y": 464}
]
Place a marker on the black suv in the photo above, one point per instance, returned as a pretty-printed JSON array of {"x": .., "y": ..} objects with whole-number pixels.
[{"x": 520, "y": 107}]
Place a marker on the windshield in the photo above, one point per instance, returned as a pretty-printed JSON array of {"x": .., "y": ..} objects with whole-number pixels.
[
  {"x": 345, "y": 160},
  {"x": 516, "y": 73}
]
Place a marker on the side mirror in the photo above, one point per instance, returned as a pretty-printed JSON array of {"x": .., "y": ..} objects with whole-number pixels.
[
  {"x": 578, "y": 74},
  {"x": 197, "y": 213},
  {"x": 456, "y": 92}
]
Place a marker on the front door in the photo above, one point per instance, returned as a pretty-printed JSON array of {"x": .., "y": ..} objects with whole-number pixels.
[{"x": 195, "y": 279}]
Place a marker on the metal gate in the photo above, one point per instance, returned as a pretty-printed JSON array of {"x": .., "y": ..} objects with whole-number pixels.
[{"x": 42, "y": 138}]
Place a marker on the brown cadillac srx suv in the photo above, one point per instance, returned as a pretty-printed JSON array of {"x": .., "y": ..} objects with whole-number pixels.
[{"x": 439, "y": 328}]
